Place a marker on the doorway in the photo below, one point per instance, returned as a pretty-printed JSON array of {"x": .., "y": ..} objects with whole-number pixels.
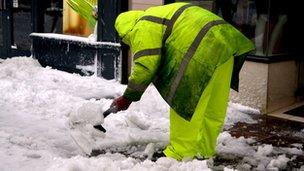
[
  {"x": 5, "y": 27},
  {"x": 15, "y": 27}
]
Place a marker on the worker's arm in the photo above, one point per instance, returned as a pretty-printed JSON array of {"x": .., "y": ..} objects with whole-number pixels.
[{"x": 145, "y": 42}]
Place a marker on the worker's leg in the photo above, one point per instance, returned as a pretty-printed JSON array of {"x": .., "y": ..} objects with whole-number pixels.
[{"x": 198, "y": 137}]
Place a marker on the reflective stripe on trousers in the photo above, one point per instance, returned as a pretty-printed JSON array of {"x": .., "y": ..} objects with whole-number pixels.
[{"x": 198, "y": 136}]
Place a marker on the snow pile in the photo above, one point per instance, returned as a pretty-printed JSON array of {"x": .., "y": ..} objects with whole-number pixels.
[
  {"x": 274, "y": 164},
  {"x": 38, "y": 104},
  {"x": 87, "y": 113},
  {"x": 120, "y": 162},
  {"x": 299, "y": 134},
  {"x": 40, "y": 107},
  {"x": 234, "y": 146},
  {"x": 292, "y": 151},
  {"x": 235, "y": 113},
  {"x": 263, "y": 157},
  {"x": 279, "y": 163},
  {"x": 35, "y": 106},
  {"x": 72, "y": 38}
]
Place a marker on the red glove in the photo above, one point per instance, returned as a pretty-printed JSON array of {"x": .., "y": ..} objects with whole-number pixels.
[{"x": 121, "y": 103}]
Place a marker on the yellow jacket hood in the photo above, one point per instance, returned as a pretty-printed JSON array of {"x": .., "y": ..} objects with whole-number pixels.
[{"x": 125, "y": 23}]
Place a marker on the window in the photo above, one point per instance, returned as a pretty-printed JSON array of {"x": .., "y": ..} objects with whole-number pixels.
[
  {"x": 21, "y": 12},
  {"x": 266, "y": 22},
  {"x": 74, "y": 23},
  {"x": 263, "y": 21},
  {"x": 53, "y": 10}
]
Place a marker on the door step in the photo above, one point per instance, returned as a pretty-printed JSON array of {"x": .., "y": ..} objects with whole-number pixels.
[{"x": 294, "y": 112}]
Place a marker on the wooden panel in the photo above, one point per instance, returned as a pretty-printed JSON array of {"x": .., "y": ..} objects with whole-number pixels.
[
  {"x": 141, "y": 6},
  {"x": 149, "y": 2}
]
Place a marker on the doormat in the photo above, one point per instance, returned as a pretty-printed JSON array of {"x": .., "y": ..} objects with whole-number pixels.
[{"x": 299, "y": 111}]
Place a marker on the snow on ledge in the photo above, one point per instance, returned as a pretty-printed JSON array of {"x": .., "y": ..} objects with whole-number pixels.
[{"x": 72, "y": 38}]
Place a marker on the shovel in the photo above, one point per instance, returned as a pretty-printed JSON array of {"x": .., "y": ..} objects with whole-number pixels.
[{"x": 112, "y": 109}]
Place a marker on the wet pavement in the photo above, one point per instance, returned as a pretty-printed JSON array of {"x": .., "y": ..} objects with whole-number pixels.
[
  {"x": 270, "y": 130},
  {"x": 274, "y": 131}
]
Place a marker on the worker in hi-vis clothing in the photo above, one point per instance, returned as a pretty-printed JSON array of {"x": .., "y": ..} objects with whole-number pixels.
[{"x": 192, "y": 57}]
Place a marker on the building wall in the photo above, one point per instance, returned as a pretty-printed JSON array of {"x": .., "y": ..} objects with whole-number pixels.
[
  {"x": 253, "y": 86},
  {"x": 282, "y": 85},
  {"x": 143, "y": 4},
  {"x": 267, "y": 87}
]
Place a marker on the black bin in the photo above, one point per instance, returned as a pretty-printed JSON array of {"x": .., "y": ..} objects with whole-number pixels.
[{"x": 67, "y": 53}]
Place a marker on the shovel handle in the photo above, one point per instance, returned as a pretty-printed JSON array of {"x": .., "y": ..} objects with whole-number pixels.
[
  {"x": 100, "y": 128},
  {"x": 112, "y": 109}
]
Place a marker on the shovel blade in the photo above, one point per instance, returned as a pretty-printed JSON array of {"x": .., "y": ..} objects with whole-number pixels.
[
  {"x": 100, "y": 128},
  {"x": 112, "y": 109}
]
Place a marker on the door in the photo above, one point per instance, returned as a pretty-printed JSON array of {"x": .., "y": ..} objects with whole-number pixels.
[
  {"x": 21, "y": 27},
  {"x": 15, "y": 27},
  {"x": 5, "y": 28}
]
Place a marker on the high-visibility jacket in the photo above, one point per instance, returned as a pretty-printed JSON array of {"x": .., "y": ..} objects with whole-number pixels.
[{"x": 178, "y": 47}]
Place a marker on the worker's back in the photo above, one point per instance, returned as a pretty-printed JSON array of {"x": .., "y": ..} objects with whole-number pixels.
[
  {"x": 197, "y": 42},
  {"x": 190, "y": 42}
]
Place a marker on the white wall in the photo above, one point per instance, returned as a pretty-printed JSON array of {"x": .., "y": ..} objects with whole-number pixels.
[
  {"x": 267, "y": 87},
  {"x": 253, "y": 86}
]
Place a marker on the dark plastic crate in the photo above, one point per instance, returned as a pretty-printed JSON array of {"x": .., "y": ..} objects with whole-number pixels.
[{"x": 64, "y": 52}]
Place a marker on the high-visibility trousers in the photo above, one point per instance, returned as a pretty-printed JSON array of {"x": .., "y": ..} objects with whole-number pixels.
[{"x": 198, "y": 137}]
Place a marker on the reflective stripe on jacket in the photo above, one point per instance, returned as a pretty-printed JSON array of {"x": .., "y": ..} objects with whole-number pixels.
[{"x": 177, "y": 47}]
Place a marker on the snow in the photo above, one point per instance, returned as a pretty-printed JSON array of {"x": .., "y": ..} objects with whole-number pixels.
[
  {"x": 88, "y": 40},
  {"x": 236, "y": 114},
  {"x": 280, "y": 162},
  {"x": 119, "y": 162},
  {"x": 240, "y": 145},
  {"x": 40, "y": 107}
]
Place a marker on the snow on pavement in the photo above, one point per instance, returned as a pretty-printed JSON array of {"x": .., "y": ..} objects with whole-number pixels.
[{"x": 39, "y": 104}]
